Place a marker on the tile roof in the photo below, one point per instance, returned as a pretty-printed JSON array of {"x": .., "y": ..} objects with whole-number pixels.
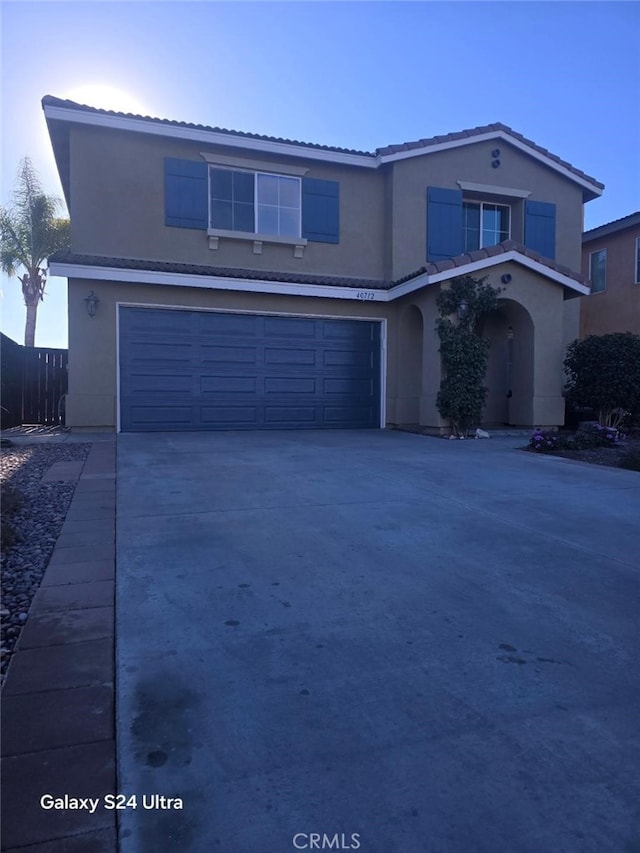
[
  {"x": 463, "y": 260},
  {"x": 220, "y": 272},
  {"x": 50, "y": 100},
  {"x": 492, "y": 252},
  {"x": 611, "y": 227}
]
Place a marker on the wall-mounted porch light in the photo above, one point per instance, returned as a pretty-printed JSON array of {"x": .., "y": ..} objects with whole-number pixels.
[
  {"x": 462, "y": 309},
  {"x": 92, "y": 304}
]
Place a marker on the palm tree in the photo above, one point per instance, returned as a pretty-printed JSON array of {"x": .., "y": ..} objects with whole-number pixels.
[{"x": 29, "y": 233}]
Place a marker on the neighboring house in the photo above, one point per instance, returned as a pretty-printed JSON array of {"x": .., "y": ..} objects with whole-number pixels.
[
  {"x": 611, "y": 260},
  {"x": 246, "y": 281}
]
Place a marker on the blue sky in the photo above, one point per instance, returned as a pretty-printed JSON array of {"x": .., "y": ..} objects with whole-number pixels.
[{"x": 355, "y": 74}]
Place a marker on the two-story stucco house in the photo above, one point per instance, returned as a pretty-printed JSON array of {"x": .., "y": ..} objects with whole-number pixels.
[{"x": 252, "y": 282}]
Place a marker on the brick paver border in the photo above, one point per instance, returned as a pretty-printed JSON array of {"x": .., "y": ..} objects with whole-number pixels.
[{"x": 58, "y": 696}]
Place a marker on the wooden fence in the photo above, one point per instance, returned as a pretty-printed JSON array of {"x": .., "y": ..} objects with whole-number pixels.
[{"x": 34, "y": 381}]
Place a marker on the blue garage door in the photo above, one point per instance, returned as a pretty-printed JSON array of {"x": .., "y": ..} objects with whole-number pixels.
[{"x": 199, "y": 370}]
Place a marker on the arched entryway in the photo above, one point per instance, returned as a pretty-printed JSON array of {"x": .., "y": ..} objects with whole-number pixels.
[
  {"x": 509, "y": 375},
  {"x": 410, "y": 365}
]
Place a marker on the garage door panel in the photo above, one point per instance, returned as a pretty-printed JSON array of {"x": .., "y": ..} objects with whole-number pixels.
[
  {"x": 337, "y": 330},
  {"x": 154, "y": 414},
  {"x": 229, "y": 415},
  {"x": 289, "y": 327},
  {"x": 351, "y": 386},
  {"x": 229, "y": 371},
  {"x": 228, "y": 325},
  {"x": 340, "y": 415},
  {"x": 146, "y": 321},
  {"x": 294, "y": 357},
  {"x": 285, "y": 416},
  {"x": 228, "y": 385},
  {"x": 348, "y": 358},
  {"x": 228, "y": 355},
  {"x": 156, "y": 352},
  {"x": 289, "y": 385},
  {"x": 160, "y": 383}
]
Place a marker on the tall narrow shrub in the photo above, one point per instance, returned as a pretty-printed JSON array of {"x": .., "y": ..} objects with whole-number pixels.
[{"x": 464, "y": 351}]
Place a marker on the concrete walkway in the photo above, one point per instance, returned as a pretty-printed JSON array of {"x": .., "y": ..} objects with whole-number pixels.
[
  {"x": 57, "y": 702},
  {"x": 428, "y": 646}
]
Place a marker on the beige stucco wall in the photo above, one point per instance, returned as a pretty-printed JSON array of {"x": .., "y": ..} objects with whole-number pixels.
[
  {"x": 117, "y": 205},
  {"x": 117, "y": 209},
  {"x": 406, "y": 198},
  {"x": 617, "y": 308},
  {"x": 411, "y": 389}
]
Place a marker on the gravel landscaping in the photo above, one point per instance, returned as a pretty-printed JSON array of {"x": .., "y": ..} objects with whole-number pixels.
[{"x": 33, "y": 513}]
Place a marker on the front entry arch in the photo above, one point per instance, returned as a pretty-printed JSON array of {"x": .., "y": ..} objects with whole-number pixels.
[{"x": 509, "y": 375}]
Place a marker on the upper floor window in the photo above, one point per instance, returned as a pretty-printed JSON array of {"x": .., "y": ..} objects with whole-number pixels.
[
  {"x": 484, "y": 224},
  {"x": 255, "y": 202},
  {"x": 637, "y": 260},
  {"x": 598, "y": 270}
]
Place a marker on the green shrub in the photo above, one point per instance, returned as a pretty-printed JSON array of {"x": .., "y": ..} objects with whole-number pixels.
[
  {"x": 591, "y": 436},
  {"x": 464, "y": 352},
  {"x": 604, "y": 374}
]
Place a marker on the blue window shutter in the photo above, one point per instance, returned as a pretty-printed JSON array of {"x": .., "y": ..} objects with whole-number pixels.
[
  {"x": 444, "y": 223},
  {"x": 321, "y": 210},
  {"x": 185, "y": 193},
  {"x": 540, "y": 228}
]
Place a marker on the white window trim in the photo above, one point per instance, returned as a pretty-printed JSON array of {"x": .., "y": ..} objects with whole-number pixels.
[
  {"x": 248, "y": 164},
  {"x": 297, "y": 241},
  {"x": 489, "y": 189},
  {"x": 481, "y": 204},
  {"x": 606, "y": 261}
]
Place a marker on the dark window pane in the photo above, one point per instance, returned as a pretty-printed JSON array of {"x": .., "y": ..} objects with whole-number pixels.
[
  {"x": 221, "y": 184},
  {"x": 471, "y": 214},
  {"x": 503, "y": 223},
  {"x": 243, "y": 217},
  {"x": 243, "y": 187},
  {"x": 221, "y": 215}
]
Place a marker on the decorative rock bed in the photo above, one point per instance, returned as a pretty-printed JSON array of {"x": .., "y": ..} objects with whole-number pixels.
[{"x": 33, "y": 513}]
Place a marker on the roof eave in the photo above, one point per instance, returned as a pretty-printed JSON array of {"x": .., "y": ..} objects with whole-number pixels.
[
  {"x": 118, "y": 121},
  {"x": 631, "y": 221},
  {"x": 210, "y": 137},
  {"x": 103, "y": 272}
]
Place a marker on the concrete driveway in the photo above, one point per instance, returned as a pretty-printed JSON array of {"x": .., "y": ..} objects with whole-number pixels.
[{"x": 378, "y": 641}]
